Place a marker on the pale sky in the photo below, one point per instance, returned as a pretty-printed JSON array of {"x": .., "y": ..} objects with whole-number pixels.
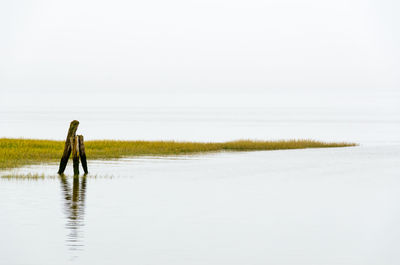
[{"x": 207, "y": 46}]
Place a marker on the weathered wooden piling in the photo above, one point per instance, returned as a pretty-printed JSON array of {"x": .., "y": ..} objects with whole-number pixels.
[
  {"x": 82, "y": 153},
  {"x": 67, "y": 147},
  {"x": 75, "y": 157}
]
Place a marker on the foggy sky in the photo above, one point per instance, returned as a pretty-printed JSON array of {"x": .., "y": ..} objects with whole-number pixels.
[{"x": 198, "y": 46}]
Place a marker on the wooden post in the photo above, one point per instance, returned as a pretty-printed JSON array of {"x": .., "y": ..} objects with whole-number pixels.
[
  {"x": 82, "y": 153},
  {"x": 67, "y": 147},
  {"x": 75, "y": 158}
]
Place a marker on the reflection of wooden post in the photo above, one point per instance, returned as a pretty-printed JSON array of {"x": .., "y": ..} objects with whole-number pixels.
[
  {"x": 82, "y": 153},
  {"x": 74, "y": 208},
  {"x": 67, "y": 147},
  {"x": 75, "y": 158}
]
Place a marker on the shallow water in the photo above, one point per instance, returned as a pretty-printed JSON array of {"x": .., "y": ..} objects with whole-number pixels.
[{"x": 312, "y": 206}]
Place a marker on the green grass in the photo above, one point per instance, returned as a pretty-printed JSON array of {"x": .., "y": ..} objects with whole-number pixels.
[{"x": 19, "y": 152}]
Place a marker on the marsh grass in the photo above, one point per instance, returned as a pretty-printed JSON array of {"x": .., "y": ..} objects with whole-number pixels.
[
  {"x": 18, "y": 152},
  {"x": 36, "y": 176},
  {"x": 28, "y": 176}
]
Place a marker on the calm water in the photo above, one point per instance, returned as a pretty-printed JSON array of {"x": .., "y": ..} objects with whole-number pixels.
[{"x": 314, "y": 206}]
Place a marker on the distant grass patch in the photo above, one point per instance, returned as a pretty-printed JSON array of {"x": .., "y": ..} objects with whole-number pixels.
[
  {"x": 19, "y": 152},
  {"x": 35, "y": 176},
  {"x": 28, "y": 176}
]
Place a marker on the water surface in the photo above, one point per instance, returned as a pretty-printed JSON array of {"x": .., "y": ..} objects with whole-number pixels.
[
  {"x": 315, "y": 206},
  {"x": 312, "y": 206}
]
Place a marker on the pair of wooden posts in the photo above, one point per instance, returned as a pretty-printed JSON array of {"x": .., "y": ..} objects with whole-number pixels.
[{"x": 73, "y": 144}]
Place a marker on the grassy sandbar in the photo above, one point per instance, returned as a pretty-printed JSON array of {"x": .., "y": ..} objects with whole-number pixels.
[{"x": 19, "y": 152}]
